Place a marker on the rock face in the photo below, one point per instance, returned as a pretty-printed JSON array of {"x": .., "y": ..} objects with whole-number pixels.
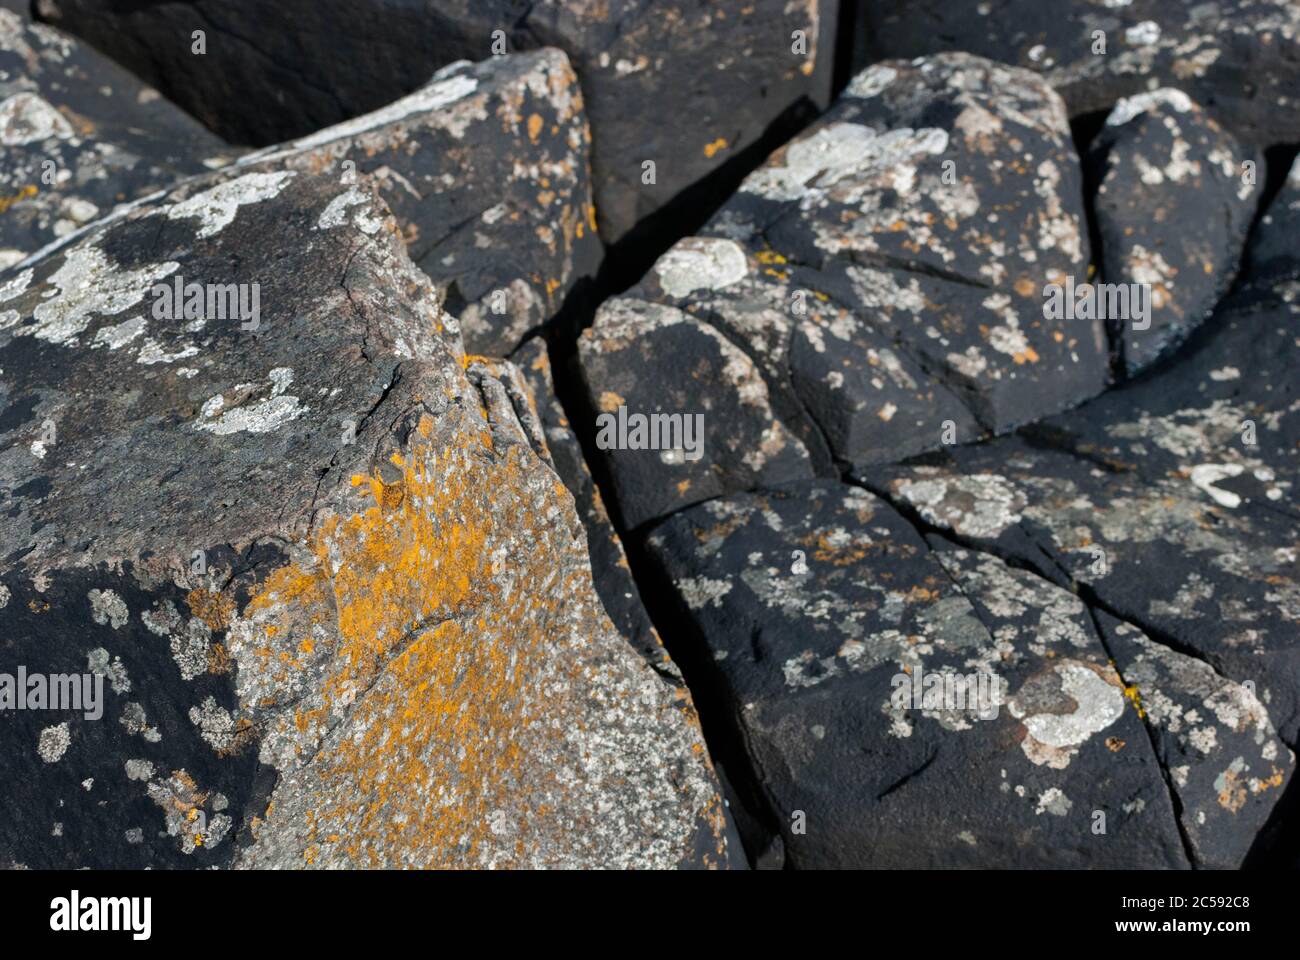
[
  {"x": 874, "y": 291},
  {"x": 329, "y": 60},
  {"x": 486, "y": 169},
  {"x": 1175, "y": 199},
  {"x": 79, "y": 136},
  {"x": 821, "y": 607},
  {"x": 341, "y": 605},
  {"x": 1239, "y": 59}
]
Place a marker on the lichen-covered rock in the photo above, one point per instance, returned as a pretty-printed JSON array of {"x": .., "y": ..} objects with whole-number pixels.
[
  {"x": 1174, "y": 203},
  {"x": 486, "y": 169},
  {"x": 642, "y": 66},
  {"x": 1213, "y": 737},
  {"x": 342, "y": 608},
  {"x": 902, "y": 703},
  {"x": 683, "y": 414},
  {"x": 1238, "y": 58},
  {"x": 78, "y": 136},
  {"x": 609, "y": 565},
  {"x": 876, "y": 289}
]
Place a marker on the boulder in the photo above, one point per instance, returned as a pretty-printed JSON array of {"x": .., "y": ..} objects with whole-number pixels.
[
  {"x": 875, "y": 290},
  {"x": 487, "y": 170},
  {"x": 1175, "y": 198},
  {"x": 340, "y": 607},
  {"x": 1240, "y": 59},
  {"x": 307, "y": 64},
  {"x": 902, "y": 703},
  {"x": 79, "y": 136}
]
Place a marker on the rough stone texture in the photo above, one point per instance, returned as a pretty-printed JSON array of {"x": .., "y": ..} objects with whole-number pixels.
[
  {"x": 1238, "y": 58},
  {"x": 1171, "y": 501},
  {"x": 873, "y": 291},
  {"x": 609, "y": 566},
  {"x": 1174, "y": 203},
  {"x": 328, "y": 60},
  {"x": 1214, "y": 738},
  {"x": 78, "y": 136},
  {"x": 387, "y": 651},
  {"x": 486, "y": 169},
  {"x": 810, "y": 600}
]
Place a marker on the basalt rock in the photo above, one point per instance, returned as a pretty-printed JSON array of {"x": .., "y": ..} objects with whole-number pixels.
[
  {"x": 1171, "y": 502},
  {"x": 818, "y": 608},
  {"x": 486, "y": 169},
  {"x": 1174, "y": 203},
  {"x": 341, "y": 604},
  {"x": 306, "y": 64},
  {"x": 78, "y": 136},
  {"x": 874, "y": 291},
  {"x": 1240, "y": 59}
]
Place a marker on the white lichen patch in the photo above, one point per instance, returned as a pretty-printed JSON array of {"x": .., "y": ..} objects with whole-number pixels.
[
  {"x": 699, "y": 263},
  {"x": 1130, "y": 107},
  {"x": 53, "y": 742},
  {"x": 88, "y": 283},
  {"x": 1059, "y": 720},
  {"x": 106, "y": 607},
  {"x": 216, "y": 207},
  {"x": 980, "y": 505},
  {"x": 27, "y": 118}
]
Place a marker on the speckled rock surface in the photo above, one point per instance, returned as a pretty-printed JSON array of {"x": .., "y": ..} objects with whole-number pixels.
[
  {"x": 78, "y": 136},
  {"x": 1238, "y": 58},
  {"x": 486, "y": 169},
  {"x": 342, "y": 606},
  {"x": 1172, "y": 501},
  {"x": 818, "y": 603},
  {"x": 874, "y": 291},
  {"x": 330, "y": 60},
  {"x": 609, "y": 565},
  {"x": 1175, "y": 200}
]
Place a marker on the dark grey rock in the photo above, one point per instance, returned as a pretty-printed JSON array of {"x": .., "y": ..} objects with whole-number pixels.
[
  {"x": 1174, "y": 204},
  {"x": 487, "y": 170},
  {"x": 813, "y": 603},
  {"x": 343, "y": 607},
  {"x": 1223, "y": 758},
  {"x": 78, "y": 136},
  {"x": 879, "y": 282},
  {"x": 642, "y": 67},
  {"x": 1240, "y": 59}
]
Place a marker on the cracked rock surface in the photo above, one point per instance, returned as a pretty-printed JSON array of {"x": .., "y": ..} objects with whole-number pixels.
[
  {"x": 342, "y": 610},
  {"x": 79, "y": 136},
  {"x": 333, "y": 59}
]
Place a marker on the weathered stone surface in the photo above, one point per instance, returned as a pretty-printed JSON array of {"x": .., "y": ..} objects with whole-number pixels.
[
  {"x": 1171, "y": 501},
  {"x": 344, "y": 607},
  {"x": 609, "y": 566},
  {"x": 486, "y": 169},
  {"x": 1213, "y": 737},
  {"x": 876, "y": 289},
  {"x": 1174, "y": 203},
  {"x": 643, "y": 67},
  {"x": 1238, "y": 58},
  {"x": 810, "y": 602},
  {"x": 78, "y": 136}
]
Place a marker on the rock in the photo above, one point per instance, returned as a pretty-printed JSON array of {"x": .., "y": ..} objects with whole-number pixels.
[
  {"x": 487, "y": 170},
  {"x": 876, "y": 290},
  {"x": 1175, "y": 200},
  {"x": 78, "y": 136},
  {"x": 1213, "y": 736},
  {"x": 329, "y": 60},
  {"x": 816, "y": 608},
  {"x": 1170, "y": 503},
  {"x": 1238, "y": 59},
  {"x": 609, "y": 565},
  {"x": 343, "y": 607}
]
